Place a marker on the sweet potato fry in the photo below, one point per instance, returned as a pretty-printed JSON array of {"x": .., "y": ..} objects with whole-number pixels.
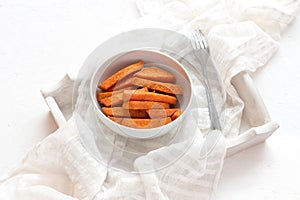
[
  {"x": 124, "y": 83},
  {"x": 114, "y": 100},
  {"x": 130, "y": 92},
  {"x": 176, "y": 115},
  {"x": 103, "y": 95},
  {"x": 133, "y": 91},
  {"x": 138, "y": 105},
  {"x": 149, "y": 96},
  {"x": 161, "y": 113},
  {"x": 112, "y": 80},
  {"x": 116, "y": 119},
  {"x": 145, "y": 123},
  {"x": 169, "y": 88},
  {"x": 156, "y": 74},
  {"x": 121, "y": 112}
]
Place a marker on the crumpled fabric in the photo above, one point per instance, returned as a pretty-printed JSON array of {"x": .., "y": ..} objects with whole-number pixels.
[
  {"x": 60, "y": 168},
  {"x": 242, "y": 36}
]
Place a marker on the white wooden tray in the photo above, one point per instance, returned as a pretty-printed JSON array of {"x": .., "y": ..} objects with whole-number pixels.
[{"x": 59, "y": 101}]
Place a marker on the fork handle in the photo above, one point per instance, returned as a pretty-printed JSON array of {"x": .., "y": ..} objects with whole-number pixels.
[
  {"x": 201, "y": 51},
  {"x": 213, "y": 114},
  {"x": 214, "y": 118}
]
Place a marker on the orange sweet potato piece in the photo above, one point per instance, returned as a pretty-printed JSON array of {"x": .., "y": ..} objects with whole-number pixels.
[
  {"x": 112, "y": 80},
  {"x": 149, "y": 96},
  {"x": 145, "y": 123},
  {"x": 161, "y": 113},
  {"x": 123, "y": 83},
  {"x": 176, "y": 115},
  {"x": 156, "y": 74},
  {"x": 121, "y": 112},
  {"x": 169, "y": 88},
  {"x": 114, "y": 100},
  {"x": 103, "y": 95},
  {"x": 116, "y": 119},
  {"x": 138, "y": 105}
]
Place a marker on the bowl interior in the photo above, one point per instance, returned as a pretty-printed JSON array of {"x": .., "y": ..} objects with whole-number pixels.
[{"x": 151, "y": 58}]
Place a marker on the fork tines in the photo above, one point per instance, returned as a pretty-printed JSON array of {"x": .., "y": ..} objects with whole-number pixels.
[{"x": 199, "y": 40}]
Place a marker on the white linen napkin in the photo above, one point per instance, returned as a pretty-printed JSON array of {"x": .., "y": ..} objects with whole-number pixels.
[
  {"x": 61, "y": 168},
  {"x": 242, "y": 37}
]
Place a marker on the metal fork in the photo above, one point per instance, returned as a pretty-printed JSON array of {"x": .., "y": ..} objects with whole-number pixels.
[{"x": 201, "y": 51}]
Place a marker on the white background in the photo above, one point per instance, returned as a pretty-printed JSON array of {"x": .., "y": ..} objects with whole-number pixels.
[{"x": 40, "y": 41}]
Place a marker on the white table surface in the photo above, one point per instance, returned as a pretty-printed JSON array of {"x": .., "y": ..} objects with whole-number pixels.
[{"x": 42, "y": 40}]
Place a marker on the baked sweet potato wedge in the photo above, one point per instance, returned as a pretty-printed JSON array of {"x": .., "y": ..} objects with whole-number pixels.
[
  {"x": 149, "y": 96},
  {"x": 121, "y": 112},
  {"x": 114, "y": 100},
  {"x": 142, "y": 123},
  {"x": 156, "y": 74},
  {"x": 169, "y": 88},
  {"x": 138, "y": 105},
  {"x": 161, "y": 113},
  {"x": 176, "y": 115},
  {"x": 103, "y": 95},
  {"x": 118, "y": 76},
  {"x": 124, "y": 83}
]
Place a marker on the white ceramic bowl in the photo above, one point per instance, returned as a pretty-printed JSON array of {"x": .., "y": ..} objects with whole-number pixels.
[{"x": 151, "y": 58}]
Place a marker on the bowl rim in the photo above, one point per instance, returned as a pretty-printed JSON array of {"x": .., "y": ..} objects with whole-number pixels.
[{"x": 156, "y": 130}]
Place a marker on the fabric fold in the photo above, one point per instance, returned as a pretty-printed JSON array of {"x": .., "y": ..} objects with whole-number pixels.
[{"x": 242, "y": 35}]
